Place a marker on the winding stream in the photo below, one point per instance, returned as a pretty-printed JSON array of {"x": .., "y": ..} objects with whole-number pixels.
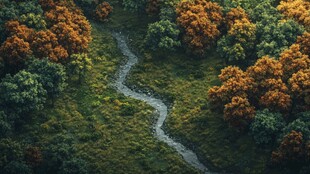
[{"x": 188, "y": 155}]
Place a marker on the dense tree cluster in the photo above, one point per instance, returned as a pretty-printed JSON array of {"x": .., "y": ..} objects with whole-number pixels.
[
  {"x": 201, "y": 21},
  {"x": 267, "y": 98},
  {"x": 38, "y": 44}
]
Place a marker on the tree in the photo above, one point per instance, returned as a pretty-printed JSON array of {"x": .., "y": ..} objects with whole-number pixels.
[
  {"x": 152, "y": 6},
  {"x": 33, "y": 20},
  {"x": 135, "y": 5},
  {"x": 69, "y": 38},
  {"x": 10, "y": 151},
  {"x": 291, "y": 150},
  {"x": 235, "y": 83},
  {"x": 276, "y": 101},
  {"x": 33, "y": 156},
  {"x": 14, "y": 28},
  {"x": 293, "y": 60},
  {"x": 296, "y": 9},
  {"x": 300, "y": 87},
  {"x": 266, "y": 126},
  {"x": 5, "y": 126},
  {"x": 299, "y": 125},
  {"x": 264, "y": 9},
  {"x": 275, "y": 36},
  {"x": 163, "y": 34},
  {"x": 239, "y": 113},
  {"x": 8, "y": 11},
  {"x": 15, "y": 51},
  {"x": 80, "y": 64},
  {"x": 238, "y": 44},
  {"x": 265, "y": 68},
  {"x": 200, "y": 20},
  {"x": 45, "y": 45},
  {"x": 235, "y": 14},
  {"x": 304, "y": 42},
  {"x": 17, "y": 167},
  {"x": 22, "y": 93},
  {"x": 74, "y": 166},
  {"x": 103, "y": 10},
  {"x": 52, "y": 76}
]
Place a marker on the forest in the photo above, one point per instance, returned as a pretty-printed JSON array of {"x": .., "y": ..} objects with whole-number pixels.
[{"x": 154, "y": 86}]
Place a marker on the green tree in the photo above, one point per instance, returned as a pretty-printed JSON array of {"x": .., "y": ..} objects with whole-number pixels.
[
  {"x": 80, "y": 64},
  {"x": 163, "y": 34},
  {"x": 52, "y": 76},
  {"x": 74, "y": 166},
  {"x": 275, "y": 36},
  {"x": 5, "y": 126},
  {"x": 22, "y": 93},
  {"x": 17, "y": 167},
  {"x": 135, "y": 5},
  {"x": 10, "y": 151},
  {"x": 33, "y": 20},
  {"x": 266, "y": 126}
]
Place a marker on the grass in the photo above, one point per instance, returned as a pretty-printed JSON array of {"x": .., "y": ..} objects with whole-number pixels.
[
  {"x": 108, "y": 130},
  {"x": 185, "y": 81}
]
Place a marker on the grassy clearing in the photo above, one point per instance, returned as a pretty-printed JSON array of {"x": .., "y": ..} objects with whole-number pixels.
[
  {"x": 109, "y": 131},
  {"x": 185, "y": 82}
]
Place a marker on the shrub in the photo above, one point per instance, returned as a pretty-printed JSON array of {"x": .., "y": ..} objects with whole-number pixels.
[
  {"x": 266, "y": 126},
  {"x": 163, "y": 34},
  {"x": 103, "y": 10}
]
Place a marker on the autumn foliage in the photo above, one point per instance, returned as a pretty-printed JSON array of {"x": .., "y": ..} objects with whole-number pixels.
[
  {"x": 103, "y": 10},
  {"x": 239, "y": 113},
  {"x": 235, "y": 14},
  {"x": 15, "y": 51},
  {"x": 68, "y": 33},
  {"x": 304, "y": 42},
  {"x": 296, "y": 9},
  {"x": 45, "y": 44},
  {"x": 200, "y": 20},
  {"x": 269, "y": 83},
  {"x": 293, "y": 148}
]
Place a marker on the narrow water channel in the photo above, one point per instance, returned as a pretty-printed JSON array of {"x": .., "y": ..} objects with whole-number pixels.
[{"x": 188, "y": 155}]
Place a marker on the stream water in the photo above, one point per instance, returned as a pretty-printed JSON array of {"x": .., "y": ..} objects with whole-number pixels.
[{"x": 188, "y": 155}]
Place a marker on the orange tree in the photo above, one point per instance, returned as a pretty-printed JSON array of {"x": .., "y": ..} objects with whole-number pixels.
[
  {"x": 304, "y": 42},
  {"x": 293, "y": 149},
  {"x": 71, "y": 27},
  {"x": 103, "y": 10},
  {"x": 239, "y": 113},
  {"x": 201, "y": 21},
  {"x": 296, "y": 9},
  {"x": 45, "y": 44}
]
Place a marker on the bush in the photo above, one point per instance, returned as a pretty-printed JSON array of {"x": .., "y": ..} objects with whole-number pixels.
[
  {"x": 163, "y": 34},
  {"x": 52, "y": 76},
  {"x": 103, "y": 10},
  {"x": 266, "y": 126},
  {"x": 22, "y": 93}
]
